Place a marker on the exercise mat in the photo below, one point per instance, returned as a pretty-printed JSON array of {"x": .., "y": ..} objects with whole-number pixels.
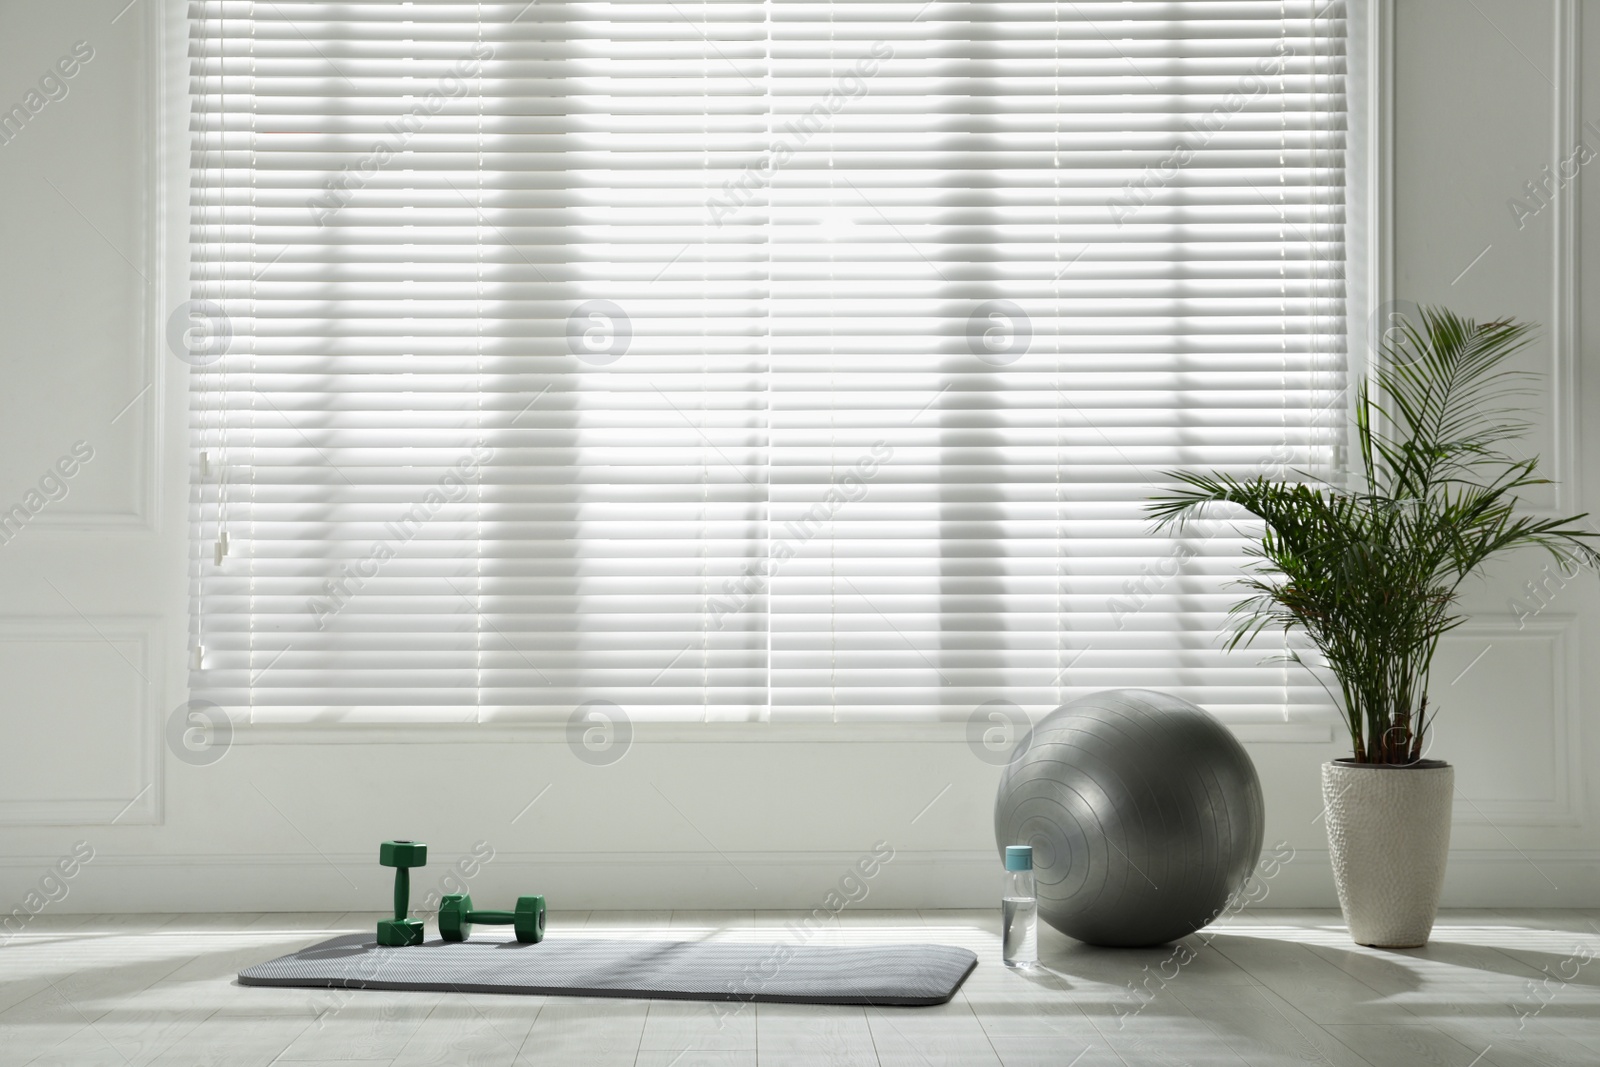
[{"x": 903, "y": 975}]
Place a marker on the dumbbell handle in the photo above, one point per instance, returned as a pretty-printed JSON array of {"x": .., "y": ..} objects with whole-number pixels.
[
  {"x": 402, "y": 892},
  {"x": 491, "y": 918}
]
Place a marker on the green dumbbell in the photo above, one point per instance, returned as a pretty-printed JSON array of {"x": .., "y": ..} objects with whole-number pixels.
[
  {"x": 456, "y": 918},
  {"x": 402, "y": 856}
]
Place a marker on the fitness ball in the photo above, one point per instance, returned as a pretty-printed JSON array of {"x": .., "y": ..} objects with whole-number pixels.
[{"x": 1144, "y": 812}]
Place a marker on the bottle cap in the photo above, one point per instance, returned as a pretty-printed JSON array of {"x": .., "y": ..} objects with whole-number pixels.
[{"x": 1019, "y": 857}]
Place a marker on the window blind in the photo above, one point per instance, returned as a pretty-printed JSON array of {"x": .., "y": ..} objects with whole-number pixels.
[{"x": 742, "y": 360}]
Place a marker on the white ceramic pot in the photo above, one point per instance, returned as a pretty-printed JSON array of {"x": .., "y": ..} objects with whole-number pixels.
[{"x": 1388, "y": 837}]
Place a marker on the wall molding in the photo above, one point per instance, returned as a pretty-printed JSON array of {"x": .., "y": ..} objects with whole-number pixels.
[
  {"x": 147, "y": 396},
  {"x": 1381, "y": 48},
  {"x": 143, "y": 807},
  {"x": 1370, "y": 196},
  {"x": 1566, "y": 807},
  {"x": 1565, "y": 321}
]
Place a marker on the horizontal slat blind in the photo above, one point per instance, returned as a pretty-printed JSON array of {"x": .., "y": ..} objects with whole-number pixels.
[{"x": 746, "y": 360}]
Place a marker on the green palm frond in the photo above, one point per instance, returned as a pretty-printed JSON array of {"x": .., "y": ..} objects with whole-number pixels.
[{"x": 1372, "y": 575}]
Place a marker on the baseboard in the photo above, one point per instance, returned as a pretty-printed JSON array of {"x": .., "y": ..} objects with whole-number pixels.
[
  {"x": 580, "y": 881},
  {"x": 1475, "y": 878},
  {"x": 279, "y": 882}
]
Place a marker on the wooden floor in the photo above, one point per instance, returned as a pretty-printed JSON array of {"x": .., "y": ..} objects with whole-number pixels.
[{"x": 1271, "y": 987}]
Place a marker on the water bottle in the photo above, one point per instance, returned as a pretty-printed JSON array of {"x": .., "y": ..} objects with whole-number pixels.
[{"x": 1019, "y": 909}]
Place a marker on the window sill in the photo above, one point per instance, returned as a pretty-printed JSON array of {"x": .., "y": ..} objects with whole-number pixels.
[{"x": 685, "y": 733}]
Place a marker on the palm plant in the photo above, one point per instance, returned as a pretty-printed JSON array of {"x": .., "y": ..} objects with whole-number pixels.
[{"x": 1372, "y": 575}]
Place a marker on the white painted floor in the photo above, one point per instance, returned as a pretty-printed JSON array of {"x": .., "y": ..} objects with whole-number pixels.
[{"x": 1269, "y": 987}]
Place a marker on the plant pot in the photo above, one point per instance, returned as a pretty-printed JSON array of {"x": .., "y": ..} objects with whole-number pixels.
[{"x": 1388, "y": 838}]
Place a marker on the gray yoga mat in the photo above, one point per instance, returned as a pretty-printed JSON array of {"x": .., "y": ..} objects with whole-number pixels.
[{"x": 905, "y": 975}]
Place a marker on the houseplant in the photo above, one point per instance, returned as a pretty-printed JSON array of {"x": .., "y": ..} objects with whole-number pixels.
[{"x": 1370, "y": 575}]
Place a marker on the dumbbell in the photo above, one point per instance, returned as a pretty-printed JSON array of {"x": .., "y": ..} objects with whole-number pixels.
[
  {"x": 402, "y": 856},
  {"x": 456, "y": 918}
]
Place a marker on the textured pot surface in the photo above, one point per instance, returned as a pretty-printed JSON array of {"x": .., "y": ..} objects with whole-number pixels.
[{"x": 1388, "y": 838}]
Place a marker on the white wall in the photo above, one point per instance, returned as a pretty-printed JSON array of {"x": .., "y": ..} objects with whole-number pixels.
[{"x": 92, "y": 629}]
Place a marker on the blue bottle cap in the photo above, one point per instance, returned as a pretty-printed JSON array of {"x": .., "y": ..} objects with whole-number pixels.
[{"x": 1019, "y": 857}]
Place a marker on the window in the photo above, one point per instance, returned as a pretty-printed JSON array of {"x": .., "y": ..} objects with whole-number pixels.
[{"x": 784, "y": 360}]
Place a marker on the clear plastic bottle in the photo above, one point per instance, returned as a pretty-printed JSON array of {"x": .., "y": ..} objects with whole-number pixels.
[{"x": 1019, "y": 909}]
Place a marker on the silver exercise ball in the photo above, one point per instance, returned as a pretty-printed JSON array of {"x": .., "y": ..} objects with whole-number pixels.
[{"x": 1144, "y": 812}]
